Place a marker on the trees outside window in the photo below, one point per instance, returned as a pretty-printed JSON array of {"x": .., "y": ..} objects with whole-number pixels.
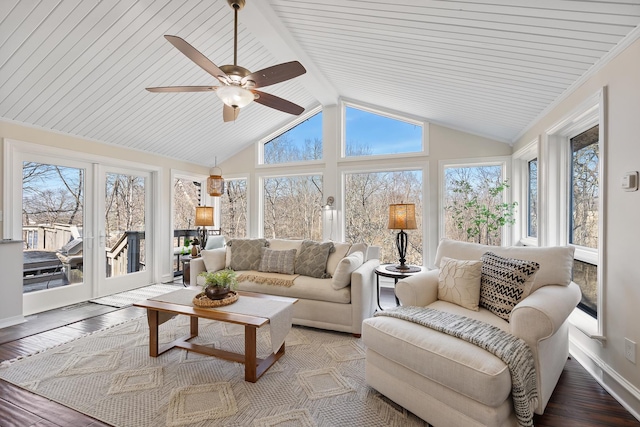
[
  {"x": 475, "y": 209},
  {"x": 186, "y": 196},
  {"x": 300, "y": 143},
  {"x": 532, "y": 198},
  {"x": 292, "y": 207},
  {"x": 367, "y": 199},
  {"x": 233, "y": 209}
]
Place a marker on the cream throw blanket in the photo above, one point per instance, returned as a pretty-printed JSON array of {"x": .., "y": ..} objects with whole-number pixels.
[
  {"x": 275, "y": 279},
  {"x": 510, "y": 349}
]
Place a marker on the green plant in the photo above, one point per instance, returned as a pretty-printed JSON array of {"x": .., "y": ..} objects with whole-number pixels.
[
  {"x": 481, "y": 218},
  {"x": 221, "y": 278}
]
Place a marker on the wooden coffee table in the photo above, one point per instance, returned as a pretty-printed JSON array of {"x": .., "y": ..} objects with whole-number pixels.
[{"x": 159, "y": 312}]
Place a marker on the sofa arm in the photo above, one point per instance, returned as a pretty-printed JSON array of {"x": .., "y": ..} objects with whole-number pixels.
[
  {"x": 196, "y": 267},
  {"x": 541, "y": 314},
  {"x": 418, "y": 290},
  {"x": 363, "y": 294}
]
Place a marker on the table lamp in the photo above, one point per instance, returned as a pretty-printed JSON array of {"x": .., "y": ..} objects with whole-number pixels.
[{"x": 402, "y": 216}]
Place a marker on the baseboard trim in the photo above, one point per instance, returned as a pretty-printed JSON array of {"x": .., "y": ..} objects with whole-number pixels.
[
  {"x": 617, "y": 386},
  {"x": 10, "y": 321}
]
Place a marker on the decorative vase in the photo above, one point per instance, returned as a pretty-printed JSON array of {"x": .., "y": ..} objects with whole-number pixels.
[{"x": 216, "y": 292}]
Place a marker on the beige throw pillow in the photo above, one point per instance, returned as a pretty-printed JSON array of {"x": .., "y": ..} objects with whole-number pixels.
[
  {"x": 278, "y": 261},
  {"x": 336, "y": 256},
  {"x": 214, "y": 259},
  {"x": 346, "y": 266},
  {"x": 459, "y": 282}
]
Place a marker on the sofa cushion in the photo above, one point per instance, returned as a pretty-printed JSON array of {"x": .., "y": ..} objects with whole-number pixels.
[
  {"x": 359, "y": 247},
  {"x": 452, "y": 362},
  {"x": 556, "y": 262},
  {"x": 504, "y": 282},
  {"x": 214, "y": 259},
  {"x": 278, "y": 261},
  {"x": 459, "y": 282},
  {"x": 312, "y": 260},
  {"x": 246, "y": 254},
  {"x": 342, "y": 274},
  {"x": 340, "y": 251},
  {"x": 304, "y": 287},
  {"x": 285, "y": 245}
]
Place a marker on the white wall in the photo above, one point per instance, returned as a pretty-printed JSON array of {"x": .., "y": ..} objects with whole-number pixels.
[{"x": 621, "y": 238}]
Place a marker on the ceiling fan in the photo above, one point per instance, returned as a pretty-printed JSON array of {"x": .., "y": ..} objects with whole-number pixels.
[{"x": 238, "y": 85}]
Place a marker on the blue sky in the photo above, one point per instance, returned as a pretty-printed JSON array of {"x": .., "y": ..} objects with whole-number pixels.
[{"x": 381, "y": 134}]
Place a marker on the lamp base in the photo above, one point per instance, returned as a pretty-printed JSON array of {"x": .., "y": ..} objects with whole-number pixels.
[{"x": 403, "y": 268}]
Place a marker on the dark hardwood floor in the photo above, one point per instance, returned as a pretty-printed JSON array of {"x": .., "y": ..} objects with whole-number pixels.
[{"x": 577, "y": 401}]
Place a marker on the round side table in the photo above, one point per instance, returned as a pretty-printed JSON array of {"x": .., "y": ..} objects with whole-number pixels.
[{"x": 382, "y": 270}]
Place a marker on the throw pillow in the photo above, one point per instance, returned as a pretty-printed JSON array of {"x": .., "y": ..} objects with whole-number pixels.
[
  {"x": 278, "y": 261},
  {"x": 359, "y": 247},
  {"x": 459, "y": 282},
  {"x": 504, "y": 282},
  {"x": 341, "y": 250},
  {"x": 346, "y": 266},
  {"x": 214, "y": 259},
  {"x": 312, "y": 260},
  {"x": 214, "y": 242},
  {"x": 246, "y": 254}
]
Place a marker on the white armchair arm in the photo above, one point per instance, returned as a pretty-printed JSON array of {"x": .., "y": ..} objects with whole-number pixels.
[
  {"x": 196, "y": 267},
  {"x": 418, "y": 290}
]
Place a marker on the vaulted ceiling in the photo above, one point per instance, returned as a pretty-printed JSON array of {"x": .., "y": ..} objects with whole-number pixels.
[{"x": 489, "y": 67}]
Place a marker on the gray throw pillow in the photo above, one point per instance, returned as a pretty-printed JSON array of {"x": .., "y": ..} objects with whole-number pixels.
[
  {"x": 312, "y": 260},
  {"x": 278, "y": 261},
  {"x": 246, "y": 254},
  {"x": 503, "y": 282}
]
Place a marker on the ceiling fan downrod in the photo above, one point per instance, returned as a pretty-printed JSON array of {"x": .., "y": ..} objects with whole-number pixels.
[{"x": 236, "y": 5}]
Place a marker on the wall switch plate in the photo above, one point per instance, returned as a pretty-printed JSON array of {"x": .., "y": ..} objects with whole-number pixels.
[
  {"x": 630, "y": 181},
  {"x": 630, "y": 350}
]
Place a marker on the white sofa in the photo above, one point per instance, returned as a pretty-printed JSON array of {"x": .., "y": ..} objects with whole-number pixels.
[
  {"x": 319, "y": 304},
  {"x": 450, "y": 382}
]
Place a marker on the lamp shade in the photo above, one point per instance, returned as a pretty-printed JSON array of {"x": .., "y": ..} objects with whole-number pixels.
[
  {"x": 204, "y": 216},
  {"x": 215, "y": 183},
  {"x": 402, "y": 216},
  {"x": 235, "y": 96}
]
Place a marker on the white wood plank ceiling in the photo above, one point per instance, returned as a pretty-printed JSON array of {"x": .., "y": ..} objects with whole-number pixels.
[{"x": 487, "y": 67}]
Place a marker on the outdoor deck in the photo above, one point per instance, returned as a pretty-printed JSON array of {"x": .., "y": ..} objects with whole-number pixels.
[{"x": 42, "y": 270}]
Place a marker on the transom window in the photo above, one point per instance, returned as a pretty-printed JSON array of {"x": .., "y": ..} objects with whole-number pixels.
[
  {"x": 302, "y": 142},
  {"x": 372, "y": 134}
]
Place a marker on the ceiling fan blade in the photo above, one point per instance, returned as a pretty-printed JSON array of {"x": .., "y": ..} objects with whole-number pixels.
[
  {"x": 182, "y": 89},
  {"x": 278, "y": 103},
  {"x": 230, "y": 114},
  {"x": 193, "y": 54},
  {"x": 276, "y": 74}
]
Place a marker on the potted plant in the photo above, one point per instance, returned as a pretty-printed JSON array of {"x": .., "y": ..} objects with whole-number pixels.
[{"x": 218, "y": 283}]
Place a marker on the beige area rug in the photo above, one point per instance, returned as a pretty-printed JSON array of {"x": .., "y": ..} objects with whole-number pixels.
[
  {"x": 109, "y": 375},
  {"x": 127, "y": 298}
]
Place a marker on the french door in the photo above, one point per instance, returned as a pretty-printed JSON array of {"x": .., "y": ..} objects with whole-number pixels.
[{"x": 86, "y": 226}]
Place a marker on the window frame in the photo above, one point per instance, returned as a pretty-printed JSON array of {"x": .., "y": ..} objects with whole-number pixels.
[
  {"x": 591, "y": 112},
  {"x": 344, "y": 103},
  {"x": 282, "y": 130},
  {"x": 520, "y": 193},
  {"x": 503, "y": 161}
]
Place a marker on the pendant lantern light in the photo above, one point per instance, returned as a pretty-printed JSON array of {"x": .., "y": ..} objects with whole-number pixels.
[{"x": 215, "y": 183}]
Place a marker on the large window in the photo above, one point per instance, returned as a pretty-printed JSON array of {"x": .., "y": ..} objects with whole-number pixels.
[
  {"x": 367, "y": 199},
  {"x": 300, "y": 143},
  {"x": 475, "y": 208},
  {"x": 292, "y": 207},
  {"x": 371, "y": 134},
  {"x": 233, "y": 209},
  {"x": 584, "y": 214}
]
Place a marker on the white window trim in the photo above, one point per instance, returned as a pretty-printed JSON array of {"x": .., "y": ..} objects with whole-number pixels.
[
  {"x": 520, "y": 192},
  {"x": 502, "y": 161},
  {"x": 344, "y": 103},
  {"x": 591, "y": 112},
  {"x": 281, "y": 130}
]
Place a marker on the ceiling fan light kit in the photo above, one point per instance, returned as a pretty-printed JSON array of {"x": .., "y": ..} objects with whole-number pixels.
[{"x": 238, "y": 85}]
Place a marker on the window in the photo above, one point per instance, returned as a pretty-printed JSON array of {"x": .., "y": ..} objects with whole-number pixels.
[
  {"x": 371, "y": 134},
  {"x": 300, "y": 143},
  {"x": 532, "y": 198},
  {"x": 292, "y": 207},
  {"x": 584, "y": 214},
  {"x": 367, "y": 199},
  {"x": 233, "y": 209},
  {"x": 475, "y": 205}
]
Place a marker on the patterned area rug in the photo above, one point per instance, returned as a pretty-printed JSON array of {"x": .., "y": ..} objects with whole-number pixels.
[
  {"x": 125, "y": 299},
  {"x": 110, "y": 376}
]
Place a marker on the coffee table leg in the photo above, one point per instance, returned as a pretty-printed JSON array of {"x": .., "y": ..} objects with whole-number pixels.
[
  {"x": 152, "y": 317},
  {"x": 194, "y": 326},
  {"x": 250, "y": 358}
]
